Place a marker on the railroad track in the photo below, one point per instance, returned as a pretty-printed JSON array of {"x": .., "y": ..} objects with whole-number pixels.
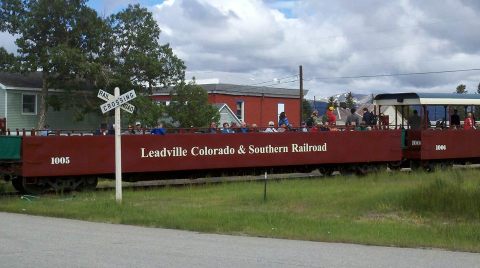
[{"x": 185, "y": 182}]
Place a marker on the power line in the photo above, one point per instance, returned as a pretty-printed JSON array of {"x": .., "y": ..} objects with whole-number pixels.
[{"x": 390, "y": 75}]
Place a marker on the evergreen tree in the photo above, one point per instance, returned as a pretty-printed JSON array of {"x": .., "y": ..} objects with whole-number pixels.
[
  {"x": 135, "y": 59},
  {"x": 307, "y": 109},
  {"x": 461, "y": 89},
  {"x": 349, "y": 101},
  {"x": 332, "y": 102}
]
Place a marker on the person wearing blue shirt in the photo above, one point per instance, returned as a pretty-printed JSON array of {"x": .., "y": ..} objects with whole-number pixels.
[
  {"x": 226, "y": 128},
  {"x": 244, "y": 128},
  {"x": 283, "y": 120},
  {"x": 159, "y": 130}
]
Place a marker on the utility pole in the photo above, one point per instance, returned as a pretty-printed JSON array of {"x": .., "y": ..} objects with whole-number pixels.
[{"x": 301, "y": 95}]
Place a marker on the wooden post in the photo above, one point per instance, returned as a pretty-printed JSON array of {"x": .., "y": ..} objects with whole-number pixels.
[{"x": 301, "y": 95}]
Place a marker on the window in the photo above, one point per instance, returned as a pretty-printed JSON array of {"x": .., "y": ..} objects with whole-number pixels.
[
  {"x": 240, "y": 110},
  {"x": 29, "y": 104},
  {"x": 280, "y": 108}
]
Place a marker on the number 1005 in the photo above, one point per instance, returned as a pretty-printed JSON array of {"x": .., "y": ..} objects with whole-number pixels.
[{"x": 60, "y": 160}]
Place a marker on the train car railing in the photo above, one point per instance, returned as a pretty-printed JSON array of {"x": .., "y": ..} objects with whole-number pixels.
[{"x": 179, "y": 131}]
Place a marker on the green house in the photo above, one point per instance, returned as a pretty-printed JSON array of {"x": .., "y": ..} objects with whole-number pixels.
[{"x": 19, "y": 105}]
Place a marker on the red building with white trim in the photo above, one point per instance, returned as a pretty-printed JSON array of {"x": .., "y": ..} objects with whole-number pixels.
[{"x": 251, "y": 104}]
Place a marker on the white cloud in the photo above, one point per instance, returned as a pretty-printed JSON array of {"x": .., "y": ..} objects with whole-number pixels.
[{"x": 330, "y": 39}]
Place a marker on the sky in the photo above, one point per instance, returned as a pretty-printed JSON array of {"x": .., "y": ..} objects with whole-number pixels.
[{"x": 364, "y": 46}]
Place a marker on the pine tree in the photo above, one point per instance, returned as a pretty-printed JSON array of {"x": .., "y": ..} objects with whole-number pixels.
[
  {"x": 461, "y": 89},
  {"x": 349, "y": 101}
]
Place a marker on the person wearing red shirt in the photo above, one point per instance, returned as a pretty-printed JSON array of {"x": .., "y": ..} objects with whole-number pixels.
[
  {"x": 468, "y": 122},
  {"x": 331, "y": 118}
]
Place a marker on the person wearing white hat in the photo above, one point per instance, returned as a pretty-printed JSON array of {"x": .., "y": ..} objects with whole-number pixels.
[{"x": 271, "y": 127}]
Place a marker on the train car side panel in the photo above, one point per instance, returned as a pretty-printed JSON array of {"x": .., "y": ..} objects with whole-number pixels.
[
  {"x": 450, "y": 144},
  {"x": 190, "y": 152},
  {"x": 70, "y": 156},
  {"x": 67, "y": 155}
]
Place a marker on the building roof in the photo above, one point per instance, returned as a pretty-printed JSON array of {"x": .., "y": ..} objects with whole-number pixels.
[
  {"x": 17, "y": 80},
  {"x": 223, "y": 107},
  {"x": 231, "y": 89},
  {"x": 427, "y": 99}
]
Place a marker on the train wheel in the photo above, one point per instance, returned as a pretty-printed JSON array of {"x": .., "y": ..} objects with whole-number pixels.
[
  {"x": 326, "y": 171},
  {"x": 415, "y": 165},
  {"x": 90, "y": 183},
  {"x": 17, "y": 184},
  {"x": 29, "y": 186},
  {"x": 395, "y": 165},
  {"x": 346, "y": 170},
  {"x": 362, "y": 170},
  {"x": 444, "y": 165}
]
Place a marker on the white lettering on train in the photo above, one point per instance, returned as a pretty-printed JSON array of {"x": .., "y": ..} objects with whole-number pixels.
[
  {"x": 173, "y": 152},
  {"x": 440, "y": 147},
  {"x": 63, "y": 160},
  {"x": 269, "y": 149},
  {"x": 305, "y": 148},
  {"x": 227, "y": 150},
  {"x": 179, "y": 151}
]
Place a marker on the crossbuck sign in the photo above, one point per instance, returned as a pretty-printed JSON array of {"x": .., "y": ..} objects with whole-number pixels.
[
  {"x": 116, "y": 102},
  {"x": 113, "y": 102}
]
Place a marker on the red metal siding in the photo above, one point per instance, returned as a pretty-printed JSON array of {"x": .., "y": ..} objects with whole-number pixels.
[
  {"x": 257, "y": 110},
  {"x": 260, "y": 110},
  {"x": 150, "y": 153}
]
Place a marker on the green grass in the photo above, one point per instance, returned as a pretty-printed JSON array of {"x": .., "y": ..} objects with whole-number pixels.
[{"x": 399, "y": 209}]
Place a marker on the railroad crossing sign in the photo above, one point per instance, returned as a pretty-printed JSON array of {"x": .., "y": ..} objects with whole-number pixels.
[
  {"x": 116, "y": 102},
  {"x": 112, "y": 102}
]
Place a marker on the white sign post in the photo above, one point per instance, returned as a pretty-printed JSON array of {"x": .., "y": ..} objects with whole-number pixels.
[{"x": 116, "y": 102}]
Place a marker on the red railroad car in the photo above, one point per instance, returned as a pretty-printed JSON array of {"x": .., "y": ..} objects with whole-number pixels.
[
  {"x": 77, "y": 161},
  {"x": 435, "y": 143}
]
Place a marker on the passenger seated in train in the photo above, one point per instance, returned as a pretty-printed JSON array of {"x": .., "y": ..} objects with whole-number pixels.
[
  {"x": 244, "y": 128},
  {"x": 254, "y": 128},
  {"x": 440, "y": 124},
  {"x": 159, "y": 130},
  {"x": 234, "y": 127},
  {"x": 282, "y": 128},
  {"x": 129, "y": 131},
  {"x": 271, "y": 127},
  {"x": 138, "y": 128},
  {"x": 213, "y": 128},
  {"x": 303, "y": 127},
  {"x": 226, "y": 128},
  {"x": 102, "y": 130},
  {"x": 283, "y": 120},
  {"x": 45, "y": 131},
  {"x": 313, "y": 119}
]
